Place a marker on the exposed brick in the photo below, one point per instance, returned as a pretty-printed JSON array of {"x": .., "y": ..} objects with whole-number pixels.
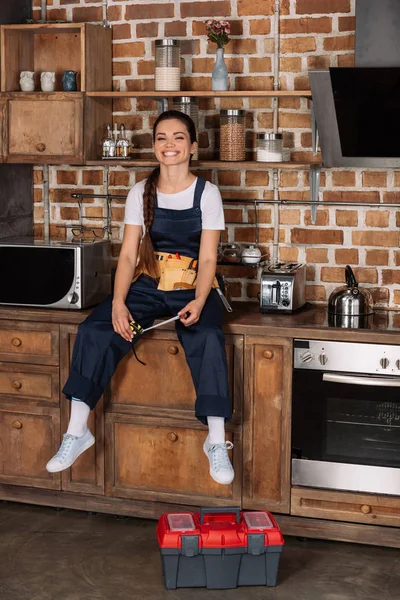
[
  {"x": 376, "y": 238},
  {"x": 322, "y": 218},
  {"x": 257, "y": 178},
  {"x": 147, "y": 30},
  {"x": 57, "y": 14},
  {"x": 366, "y": 275},
  {"x": 137, "y": 12},
  {"x": 396, "y": 297},
  {"x": 255, "y": 7},
  {"x": 294, "y": 120},
  {"x": 114, "y": 13},
  {"x": 347, "y": 218},
  {"x": 302, "y": 82},
  {"x": 67, "y": 177},
  {"x": 231, "y": 178},
  {"x": 377, "y": 258},
  {"x": 199, "y": 27},
  {"x": 306, "y": 25},
  {"x": 37, "y": 176},
  {"x": 309, "y": 7},
  {"x": 121, "y": 32},
  {"x": 238, "y": 47},
  {"x": 248, "y": 234},
  {"x": 344, "y": 178},
  {"x": 69, "y": 213},
  {"x": 346, "y": 256},
  {"x": 265, "y": 120},
  {"x": 298, "y": 45},
  {"x": 263, "y": 216},
  {"x": 260, "y": 65},
  {"x": 390, "y": 276},
  {"x": 380, "y": 295},
  {"x": 316, "y": 293},
  {"x": 86, "y": 14},
  {"x": 347, "y": 23},
  {"x": 38, "y": 195},
  {"x": 290, "y": 64},
  {"x": 175, "y": 28},
  {"x": 339, "y": 43},
  {"x": 289, "y": 216},
  {"x": 289, "y": 253},
  {"x": 318, "y": 62},
  {"x": 345, "y": 60},
  {"x": 128, "y": 49},
  {"x": 57, "y": 233},
  {"x": 61, "y": 195},
  {"x": 260, "y": 26},
  {"x": 288, "y": 179},
  {"x": 337, "y": 196},
  {"x": 219, "y": 8},
  {"x": 119, "y": 178},
  {"x": 254, "y": 83},
  {"x": 316, "y": 236},
  {"x": 374, "y": 179},
  {"x": 121, "y": 68},
  {"x": 317, "y": 255},
  {"x": 92, "y": 177},
  {"x": 310, "y": 273},
  {"x": 377, "y": 218},
  {"x": 234, "y": 215},
  {"x": 145, "y": 67},
  {"x": 397, "y": 258},
  {"x": 332, "y": 274},
  {"x": 391, "y": 197}
]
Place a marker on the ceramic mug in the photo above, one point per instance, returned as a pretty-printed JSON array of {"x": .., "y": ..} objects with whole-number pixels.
[
  {"x": 27, "y": 81},
  {"x": 48, "y": 81},
  {"x": 69, "y": 81}
]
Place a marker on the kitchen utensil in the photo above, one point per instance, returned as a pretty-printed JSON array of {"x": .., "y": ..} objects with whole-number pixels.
[
  {"x": 251, "y": 255},
  {"x": 231, "y": 253},
  {"x": 350, "y": 300},
  {"x": 282, "y": 287}
]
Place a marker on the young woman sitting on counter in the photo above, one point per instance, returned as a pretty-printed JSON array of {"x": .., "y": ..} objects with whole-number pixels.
[{"x": 172, "y": 216}]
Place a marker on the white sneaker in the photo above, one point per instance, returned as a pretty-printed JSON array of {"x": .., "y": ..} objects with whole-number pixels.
[
  {"x": 220, "y": 466},
  {"x": 71, "y": 447}
]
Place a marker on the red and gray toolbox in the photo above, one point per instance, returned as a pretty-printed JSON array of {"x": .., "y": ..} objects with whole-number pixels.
[{"x": 220, "y": 548}]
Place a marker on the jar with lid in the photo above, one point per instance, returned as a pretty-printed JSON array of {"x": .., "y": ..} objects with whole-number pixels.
[
  {"x": 168, "y": 67},
  {"x": 269, "y": 147},
  {"x": 188, "y": 105},
  {"x": 232, "y": 135}
]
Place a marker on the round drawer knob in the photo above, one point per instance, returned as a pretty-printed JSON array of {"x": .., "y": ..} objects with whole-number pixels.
[
  {"x": 173, "y": 437},
  {"x": 40, "y": 147},
  {"x": 16, "y": 342},
  {"x": 17, "y": 424},
  {"x": 365, "y": 509},
  {"x": 17, "y": 385},
  {"x": 268, "y": 354},
  {"x": 173, "y": 349}
]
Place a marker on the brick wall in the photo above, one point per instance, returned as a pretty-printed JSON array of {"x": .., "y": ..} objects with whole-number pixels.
[{"x": 313, "y": 33}]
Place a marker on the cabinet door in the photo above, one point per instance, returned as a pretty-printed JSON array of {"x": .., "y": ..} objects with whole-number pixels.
[
  {"x": 29, "y": 437},
  {"x": 163, "y": 460},
  {"x": 45, "y": 128},
  {"x": 87, "y": 474},
  {"x": 3, "y": 126},
  {"x": 267, "y": 419}
]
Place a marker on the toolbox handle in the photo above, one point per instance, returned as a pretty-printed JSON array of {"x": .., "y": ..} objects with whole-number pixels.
[{"x": 219, "y": 510}]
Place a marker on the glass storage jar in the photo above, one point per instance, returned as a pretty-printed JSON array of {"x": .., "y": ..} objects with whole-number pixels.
[
  {"x": 232, "y": 135},
  {"x": 168, "y": 67},
  {"x": 269, "y": 147},
  {"x": 188, "y": 105}
]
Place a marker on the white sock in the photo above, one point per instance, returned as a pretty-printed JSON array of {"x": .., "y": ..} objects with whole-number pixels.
[
  {"x": 216, "y": 430},
  {"x": 79, "y": 417}
]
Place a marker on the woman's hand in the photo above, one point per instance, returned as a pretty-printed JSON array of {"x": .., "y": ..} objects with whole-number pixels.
[
  {"x": 121, "y": 317},
  {"x": 191, "y": 313}
]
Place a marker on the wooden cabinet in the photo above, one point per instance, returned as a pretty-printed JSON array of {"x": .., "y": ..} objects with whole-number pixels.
[
  {"x": 163, "y": 460},
  {"x": 33, "y": 383},
  {"x": 28, "y": 342},
  {"x": 3, "y": 126},
  {"x": 87, "y": 474},
  {"x": 346, "y": 506},
  {"x": 45, "y": 128},
  {"x": 267, "y": 421}
]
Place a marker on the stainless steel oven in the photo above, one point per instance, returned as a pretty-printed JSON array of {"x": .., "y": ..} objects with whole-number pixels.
[{"x": 346, "y": 416}]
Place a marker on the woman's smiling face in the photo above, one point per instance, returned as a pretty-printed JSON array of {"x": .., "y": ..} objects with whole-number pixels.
[{"x": 172, "y": 145}]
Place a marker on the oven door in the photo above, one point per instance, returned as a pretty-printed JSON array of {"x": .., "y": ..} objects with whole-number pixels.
[{"x": 346, "y": 431}]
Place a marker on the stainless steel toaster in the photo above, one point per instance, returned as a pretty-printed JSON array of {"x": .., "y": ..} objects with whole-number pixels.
[{"x": 282, "y": 287}]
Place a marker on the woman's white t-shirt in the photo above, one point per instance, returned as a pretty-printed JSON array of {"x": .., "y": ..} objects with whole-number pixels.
[{"x": 212, "y": 211}]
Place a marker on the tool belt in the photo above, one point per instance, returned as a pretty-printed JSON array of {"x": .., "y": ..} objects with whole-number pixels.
[{"x": 176, "y": 272}]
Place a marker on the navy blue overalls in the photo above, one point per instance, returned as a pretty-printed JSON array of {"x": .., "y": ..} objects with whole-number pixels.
[{"x": 98, "y": 349}]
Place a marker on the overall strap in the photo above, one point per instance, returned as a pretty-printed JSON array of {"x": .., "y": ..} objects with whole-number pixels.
[{"x": 198, "y": 192}]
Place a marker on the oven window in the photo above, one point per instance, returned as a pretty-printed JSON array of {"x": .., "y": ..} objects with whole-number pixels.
[{"x": 346, "y": 423}]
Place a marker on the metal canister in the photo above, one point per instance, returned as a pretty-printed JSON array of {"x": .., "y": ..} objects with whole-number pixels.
[
  {"x": 167, "y": 67},
  {"x": 232, "y": 145},
  {"x": 188, "y": 105}
]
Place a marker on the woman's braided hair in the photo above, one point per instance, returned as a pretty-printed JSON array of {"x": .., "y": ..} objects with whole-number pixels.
[{"x": 147, "y": 261}]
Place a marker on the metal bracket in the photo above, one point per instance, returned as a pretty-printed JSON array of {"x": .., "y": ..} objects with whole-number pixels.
[
  {"x": 314, "y": 130},
  {"x": 315, "y": 177}
]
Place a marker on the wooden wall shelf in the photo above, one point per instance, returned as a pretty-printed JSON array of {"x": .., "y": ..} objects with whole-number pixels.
[
  {"x": 206, "y": 94},
  {"x": 206, "y": 164}
]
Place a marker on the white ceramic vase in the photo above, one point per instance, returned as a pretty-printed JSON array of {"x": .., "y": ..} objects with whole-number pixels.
[
  {"x": 48, "y": 81},
  {"x": 27, "y": 81}
]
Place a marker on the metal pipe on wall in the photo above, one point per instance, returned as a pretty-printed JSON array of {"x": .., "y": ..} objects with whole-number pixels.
[
  {"x": 46, "y": 203},
  {"x": 44, "y": 11},
  {"x": 275, "y": 245},
  {"x": 105, "y": 7}
]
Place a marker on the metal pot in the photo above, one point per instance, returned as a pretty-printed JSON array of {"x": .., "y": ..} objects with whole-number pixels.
[{"x": 350, "y": 300}]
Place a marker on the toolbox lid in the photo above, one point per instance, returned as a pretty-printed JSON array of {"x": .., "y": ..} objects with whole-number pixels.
[
  {"x": 181, "y": 522},
  {"x": 258, "y": 520}
]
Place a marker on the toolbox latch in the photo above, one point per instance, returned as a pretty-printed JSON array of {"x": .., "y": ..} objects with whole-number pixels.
[
  {"x": 256, "y": 544},
  {"x": 190, "y": 545}
]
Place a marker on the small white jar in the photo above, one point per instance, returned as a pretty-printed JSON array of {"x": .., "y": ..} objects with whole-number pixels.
[
  {"x": 27, "y": 81},
  {"x": 269, "y": 147},
  {"x": 48, "y": 81}
]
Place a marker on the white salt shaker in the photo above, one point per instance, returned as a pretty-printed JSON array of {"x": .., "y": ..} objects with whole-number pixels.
[
  {"x": 48, "y": 81},
  {"x": 27, "y": 81}
]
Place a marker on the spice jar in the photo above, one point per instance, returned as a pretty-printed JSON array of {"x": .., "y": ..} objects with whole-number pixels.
[
  {"x": 232, "y": 135},
  {"x": 269, "y": 147},
  {"x": 188, "y": 105},
  {"x": 168, "y": 68}
]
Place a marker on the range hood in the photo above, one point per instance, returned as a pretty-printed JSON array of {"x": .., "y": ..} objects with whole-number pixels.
[{"x": 357, "y": 110}]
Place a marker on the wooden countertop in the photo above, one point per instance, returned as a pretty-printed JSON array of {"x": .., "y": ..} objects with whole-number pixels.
[{"x": 309, "y": 323}]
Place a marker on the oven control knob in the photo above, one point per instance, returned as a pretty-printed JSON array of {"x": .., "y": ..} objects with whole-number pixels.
[
  {"x": 306, "y": 357},
  {"x": 323, "y": 359},
  {"x": 384, "y": 362},
  {"x": 73, "y": 298}
]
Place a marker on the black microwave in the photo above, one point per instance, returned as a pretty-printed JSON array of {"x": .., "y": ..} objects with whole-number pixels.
[{"x": 54, "y": 274}]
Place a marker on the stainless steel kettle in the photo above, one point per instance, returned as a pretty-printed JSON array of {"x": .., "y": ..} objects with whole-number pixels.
[{"x": 350, "y": 300}]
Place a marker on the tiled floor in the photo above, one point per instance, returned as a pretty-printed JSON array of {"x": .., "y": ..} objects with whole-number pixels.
[{"x": 47, "y": 554}]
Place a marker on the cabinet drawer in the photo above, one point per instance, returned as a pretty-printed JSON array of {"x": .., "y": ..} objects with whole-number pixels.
[
  {"x": 29, "y": 437},
  {"x": 164, "y": 462},
  {"x": 29, "y": 382},
  {"x": 346, "y": 506},
  {"x": 165, "y": 383},
  {"x": 29, "y": 342}
]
